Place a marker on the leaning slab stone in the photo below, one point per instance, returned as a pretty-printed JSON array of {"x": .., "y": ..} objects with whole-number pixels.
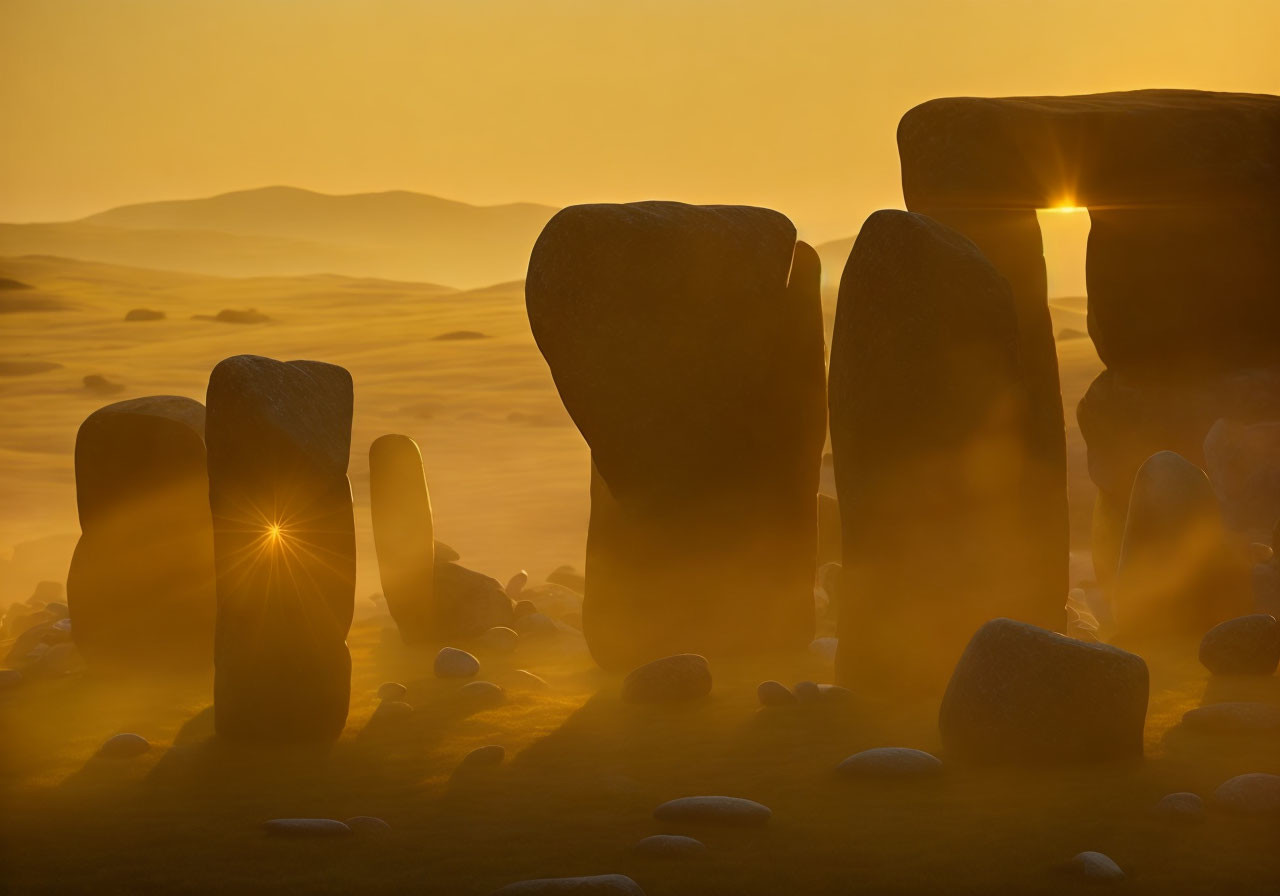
[
  {"x": 279, "y": 437},
  {"x": 141, "y": 583},
  {"x": 598, "y": 885},
  {"x": 400, "y": 509},
  {"x": 941, "y": 492},
  {"x": 890, "y": 762},
  {"x": 306, "y": 827},
  {"x": 468, "y": 603},
  {"x": 671, "y": 679},
  {"x": 1177, "y": 573},
  {"x": 686, "y": 343},
  {"x": 1252, "y": 794},
  {"x": 726, "y": 810},
  {"x": 1247, "y": 645},
  {"x": 1024, "y": 694}
]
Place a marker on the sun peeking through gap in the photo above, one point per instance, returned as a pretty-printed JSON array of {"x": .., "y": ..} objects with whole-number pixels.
[
  {"x": 274, "y": 532},
  {"x": 1066, "y": 207}
]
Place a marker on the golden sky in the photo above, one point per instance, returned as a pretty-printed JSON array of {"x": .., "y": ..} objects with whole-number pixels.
[{"x": 786, "y": 103}]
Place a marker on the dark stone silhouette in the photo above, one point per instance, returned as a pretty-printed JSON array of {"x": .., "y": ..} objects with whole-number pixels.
[
  {"x": 1024, "y": 694},
  {"x": 141, "y": 583},
  {"x": 1247, "y": 645},
  {"x": 402, "y": 534},
  {"x": 934, "y": 455},
  {"x": 1243, "y": 463},
  {"x": 279, "y": 436},
  {"x": 1177, "y": 572},
  {"x": 1183, "y": 189},
  {"x": 686, "y": 343},
  {"x": 468, "y": 603}
]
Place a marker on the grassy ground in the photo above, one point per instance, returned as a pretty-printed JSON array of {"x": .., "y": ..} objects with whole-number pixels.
[{"x": 582, "y": 776}]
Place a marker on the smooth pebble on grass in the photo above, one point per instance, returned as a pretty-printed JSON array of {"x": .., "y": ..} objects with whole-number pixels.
[
  {"x": 727, "y": 810},
  {"x": 890, "y": 762}
]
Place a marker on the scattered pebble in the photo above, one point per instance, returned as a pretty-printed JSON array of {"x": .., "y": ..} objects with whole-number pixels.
[
  {"x": 124, "y": 746},
  {"x": 729, "y": 810},
  {"x": 598, "y": 885},
  {"x": 524, "y": 608},
  {"x": 484, "y": 757},
  {"x": 1233, "y": 718},
  {"x": 775, "y": 693},
  {"x": 483, "y": 692},
  {"x": 392, "y": 709},
  {"x": 499, "y": 639},
  {"x": 669, "y": 846},
  {"x": 685, "y": 676},
  {"x": 807, "y": 691},
  {"x": 516, "y": 584},
  {"x": 891, "y": 762},
  {"x": 392, "y": 690},
  {"x": 1248, "y": 645},
  {"x": 1256, "y": 793},
  {"x": 1096, "y": 867},
  {"x": 454, "y": 663},
  {"x": 1181, "y": 806},
  {"x": 367, "y": 824},
  {"x": 306, "y": 827}
]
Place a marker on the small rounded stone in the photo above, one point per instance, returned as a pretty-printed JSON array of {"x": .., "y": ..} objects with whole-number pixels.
[
  {"x": 1247, "y": 645},
  {"x": 669, "y": 846},
  {"x": 727, "y": 810},
  {"x": 454, "y": 663},
  {"x": 1256, "y": 793},
  {"x": 392, "y": 690},
  {"x": 484, "y": 757},
  {"x": 891, "y": 762},
  {"x": 775, "y": 693},
  {"x": 484, "y": 693},
  {"x": 516, "y": 584},
  {"x": 685, "y": 676},
  {"x": 306, "y": 827},
  {"x": 1096, "y": 867},
  {"x": 1181, "y": 806},
  {"x": 367, "y": 825},
  {"x": 500, "y": 639}
]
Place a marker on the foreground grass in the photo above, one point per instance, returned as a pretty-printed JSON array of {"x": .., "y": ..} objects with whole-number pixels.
[{"x": 582, "y": 776}]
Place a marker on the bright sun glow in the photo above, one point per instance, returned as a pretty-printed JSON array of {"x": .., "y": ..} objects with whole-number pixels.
[
  {"x": 1066, "y": 207},
  {"x": 273, "y": 531}
]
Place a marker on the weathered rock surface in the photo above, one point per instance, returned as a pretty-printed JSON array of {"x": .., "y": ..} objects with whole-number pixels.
[
  {"x": 701, "y": 457},
  {"x": 940, "y": 478},
  {"x": 468, "y": 603},
  {"x": 454, "y": 663},
  {"x": 1024, "y": 694},
  {"x": 598, "y": 885},
  {"x": 671, "y": 679},
  {"x": 400, "y": 508},
  {"x": 1256, "y": 793},
  {"x": 1177, "y": 573},
  {"x": 1247, "y": 645},
  {"x": 141, "y": 583},
  {"x": 890, "y": 762},
  {"x": 279, "y": 438},
  {"x": 726, "y": 810},
  {"x": 1233, "y": 718}
]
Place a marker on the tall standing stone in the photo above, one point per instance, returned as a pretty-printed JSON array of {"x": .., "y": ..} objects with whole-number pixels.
[
  {"x": 402, "y": 534},
  {"x": 1177, "y": 573},
  {"x": 935, "y": 457},
  {"x": 686, "y": 343},
  {"x": 279, "y": 437},
  {"x": 141, "y": 584}
]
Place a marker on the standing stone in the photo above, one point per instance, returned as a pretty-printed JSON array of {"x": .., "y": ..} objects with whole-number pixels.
[
  {"x": 1023, "y": 694},
  {"x": 141, "y": 583},
  {"x": 402, "y": 534},
  {"x": 686, "y": 343},
  {"x": 1177, "y": 574},
  {"x": 279, "y": 437},
  {"x": 933, "y": 456}
]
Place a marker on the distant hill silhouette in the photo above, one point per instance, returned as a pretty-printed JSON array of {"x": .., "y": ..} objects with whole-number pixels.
[{"x": 287, "y": 231}]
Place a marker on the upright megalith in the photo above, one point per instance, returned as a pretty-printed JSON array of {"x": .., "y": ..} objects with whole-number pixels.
[
  {"x": 141, "y": 584},
  {"x": 1177, "y": 573},
  {"x": 943, "y": 525},
  {"x": 279, "y": 436},
  {"x": 402, "y": 534},
  {"x": 686, "y": 342}
]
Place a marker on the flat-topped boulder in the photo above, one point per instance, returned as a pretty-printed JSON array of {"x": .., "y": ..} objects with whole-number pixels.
[
  {"x": 279, "y": 437},
  {"x": 140, "y": 588},
  {"x": 1021, "y": 694},
  {"x": 686, "y": 343}
]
